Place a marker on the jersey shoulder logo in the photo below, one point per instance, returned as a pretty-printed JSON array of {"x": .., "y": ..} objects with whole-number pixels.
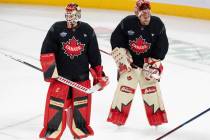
[
  {"x": 63, "y": 34},
  {"x": 73, "y": 48},
  {"x": 131, "y": 32},
  {"x": 139, "y": 45},
  {"x": 85, "y": 35}
]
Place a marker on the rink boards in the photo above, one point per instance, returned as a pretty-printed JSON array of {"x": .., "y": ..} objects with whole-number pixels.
[{"x": 172, "y": 7}]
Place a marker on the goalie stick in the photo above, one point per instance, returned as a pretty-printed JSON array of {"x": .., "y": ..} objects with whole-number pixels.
[
  {"x": 181, "y": 125},
  {"x": 60, "y": 78},
  {"x": 105, "y": 52}
]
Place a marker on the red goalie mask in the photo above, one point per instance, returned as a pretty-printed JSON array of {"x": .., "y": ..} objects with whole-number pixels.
[
  {"x": 142, "y": 6},
  {"x": 142, "y": 11},
  {"x": 72, "y": 13}
]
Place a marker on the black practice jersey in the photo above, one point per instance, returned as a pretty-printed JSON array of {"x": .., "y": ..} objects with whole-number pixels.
[
  {"x": 74, "y": 49},
  {"x": 141, "y": 41}
]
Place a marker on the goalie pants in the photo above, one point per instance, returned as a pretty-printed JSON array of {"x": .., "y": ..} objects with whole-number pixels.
[
  {"x": 124, "y": 95},
  {"x": 67, "y": 105}
]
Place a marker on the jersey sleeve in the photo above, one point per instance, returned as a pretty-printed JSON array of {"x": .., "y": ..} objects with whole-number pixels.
[
  {"x": 118, "y": 37},
  {"x": 161, "y": 45},
  {"x": 49, "y": 44},
  {"x": 94, "y": 56}
]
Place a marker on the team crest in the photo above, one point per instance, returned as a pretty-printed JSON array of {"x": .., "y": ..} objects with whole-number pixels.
[
  {"x": 73, "y": 48},
  {"x": 139, "y": 45}
]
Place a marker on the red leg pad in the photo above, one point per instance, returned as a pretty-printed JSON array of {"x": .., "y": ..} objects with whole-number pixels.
[
  {"x": 78, "y": 117},
  {"x": 55, "y": 115}
]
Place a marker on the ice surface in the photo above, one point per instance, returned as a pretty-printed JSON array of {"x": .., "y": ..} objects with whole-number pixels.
[{"x": 184, "y": 84}]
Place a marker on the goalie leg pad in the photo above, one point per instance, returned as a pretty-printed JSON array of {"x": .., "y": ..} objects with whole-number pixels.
[
  {"x": 154, "y": 107},
  {"x": 55, "y": 115},
  {"x": 78, "y": 117},
  {"x": 123, "y": 98}
]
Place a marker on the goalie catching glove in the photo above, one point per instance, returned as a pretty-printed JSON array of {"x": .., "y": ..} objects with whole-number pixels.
[
  {"x": 99, "y": 76},
  {"x": 152, "y": 69},
  {"x": 123, "y": 59}
]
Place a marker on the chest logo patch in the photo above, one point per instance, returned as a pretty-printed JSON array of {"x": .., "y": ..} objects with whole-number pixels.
[
  {"x": 139, "y": 45},
  {"x": 73, "y": 48}
]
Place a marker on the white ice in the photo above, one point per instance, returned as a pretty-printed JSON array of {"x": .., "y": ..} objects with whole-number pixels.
[{"x": 184, "y": 84}]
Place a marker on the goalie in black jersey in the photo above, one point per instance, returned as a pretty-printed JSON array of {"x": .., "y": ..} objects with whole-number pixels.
[
  {"x": 139, "y": 44},
  {"x": 68, "y": 49}
]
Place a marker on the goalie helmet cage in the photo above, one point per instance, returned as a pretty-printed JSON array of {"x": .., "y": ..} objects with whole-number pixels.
[
  {"x": 183, "y": 124},
  {"x": 60, "y": 78}
]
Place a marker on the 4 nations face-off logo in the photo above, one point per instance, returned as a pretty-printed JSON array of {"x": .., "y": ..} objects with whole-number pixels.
[
  {"x": 139, "y": 45},
  {"x": 73, "y": 48}
]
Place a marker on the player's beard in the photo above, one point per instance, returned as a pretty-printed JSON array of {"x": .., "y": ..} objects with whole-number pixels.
[
  {"x": 145, "y": 17},
  {"x": 145, "y": 21},
  {"x": 71, "y": 25}
]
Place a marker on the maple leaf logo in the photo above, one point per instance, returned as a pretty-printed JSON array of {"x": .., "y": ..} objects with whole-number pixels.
[
  {"x": 139, "y": 45},
  {"x": 152, "y": 99},
  {"x": 73, "y": 48},
  {"x": 125, "y": 97}
]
